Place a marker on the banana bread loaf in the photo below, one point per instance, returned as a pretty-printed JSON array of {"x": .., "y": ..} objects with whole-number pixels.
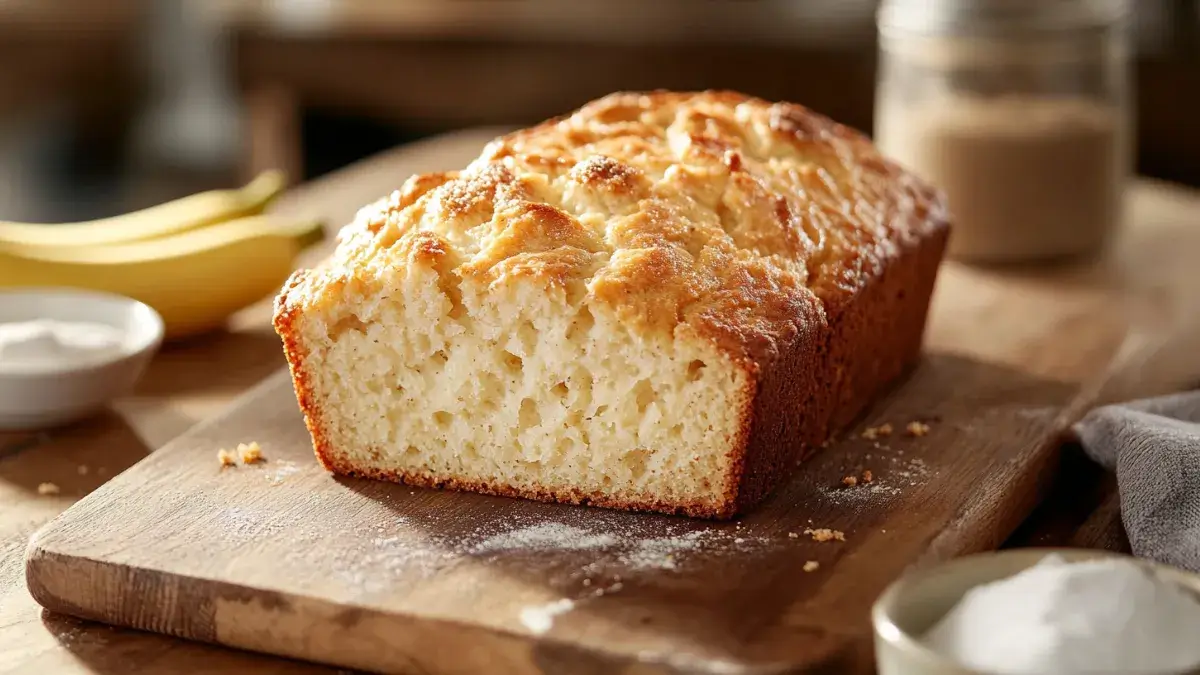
[{"x": 662, "y": 302}]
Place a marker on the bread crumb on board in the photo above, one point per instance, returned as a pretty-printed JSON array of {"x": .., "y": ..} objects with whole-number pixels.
[
  {"x": 850, "y": 481},
  {"x": 916, "y": 428},
  {"x": 867, "y": 476},
  {"x": 811, "y": 566},
  {"x": 82, "y": 469},
  {"x": 824, "y": 534},
  {"x": 251, "y": 452},
  {"x": 871, "y": 433},
  {"x": 46, "y": 489},
  {"x": 793, "y": 535}
]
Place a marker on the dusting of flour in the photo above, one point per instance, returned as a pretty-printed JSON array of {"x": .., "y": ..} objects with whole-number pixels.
[
  {"x": 539, "y": 618},
  {"x": 545, "y": 536}
]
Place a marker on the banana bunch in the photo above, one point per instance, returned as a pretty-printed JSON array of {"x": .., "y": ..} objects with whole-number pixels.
[{"x": 196, "y": 260}]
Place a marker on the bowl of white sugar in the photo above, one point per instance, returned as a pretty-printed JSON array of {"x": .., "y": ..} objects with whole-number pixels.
[
  {"x": 65, "y": 353},
  {"x": 1027, "y": 611}
]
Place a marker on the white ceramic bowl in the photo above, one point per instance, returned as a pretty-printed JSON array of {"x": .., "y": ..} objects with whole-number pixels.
[
  {"x": 915, "y": 602},
  {"x": 41, "y": 396}
]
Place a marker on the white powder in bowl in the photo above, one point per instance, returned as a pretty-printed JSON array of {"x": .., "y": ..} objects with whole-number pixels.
[{"x": 1107, "y": 616}]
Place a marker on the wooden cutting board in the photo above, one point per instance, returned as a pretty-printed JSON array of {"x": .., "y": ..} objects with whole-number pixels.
[{"x": 282, "y": 557}]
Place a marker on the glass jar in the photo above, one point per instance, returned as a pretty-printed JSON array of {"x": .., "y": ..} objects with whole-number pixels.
[{"x": 1019, "y": 110}]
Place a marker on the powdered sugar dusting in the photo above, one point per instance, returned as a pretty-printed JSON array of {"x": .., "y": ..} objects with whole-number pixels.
[
  {"x": 545, "y": 536},
  {"x": 281, "y": 469},
  {"x": 538, "y": 619},
  {"x": 891, "y": 474},
  {"x": 663, "y": 552}
]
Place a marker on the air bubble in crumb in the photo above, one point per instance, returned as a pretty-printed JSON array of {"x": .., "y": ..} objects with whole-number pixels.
[{"x": 45, "y": 489}]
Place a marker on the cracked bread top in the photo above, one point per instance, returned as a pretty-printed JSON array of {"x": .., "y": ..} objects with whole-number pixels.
[{"x": 727, "y": 216}]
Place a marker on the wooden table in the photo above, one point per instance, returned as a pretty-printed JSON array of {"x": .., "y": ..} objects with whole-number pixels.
[{"x": 192, "y": 381}]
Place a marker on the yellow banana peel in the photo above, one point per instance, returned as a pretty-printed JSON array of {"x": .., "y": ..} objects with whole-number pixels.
[
  {"x": 196, "y": 279},
  {"x": 181, "y": 215}
]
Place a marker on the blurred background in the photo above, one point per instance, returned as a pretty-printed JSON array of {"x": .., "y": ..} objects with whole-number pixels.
[{"x": 111, "y": 105}]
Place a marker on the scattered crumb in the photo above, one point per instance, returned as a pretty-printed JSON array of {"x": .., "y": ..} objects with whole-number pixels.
[
  {"x": 793, "y": 535},
  {"x": 867, "y": 476},
  {"x": 811, "y": 566},
  {"x": 871, "y": 433},
  {"x": 250, "y": 452},
  {"x": 824, "y": 534},
  {"x": 82, "y": 469},
  {"x": 849, "y": 481},
  {"x": 48, "y": 489},
  {"x": 915, "y": 428},
  {"x": 587, "y": 582}
]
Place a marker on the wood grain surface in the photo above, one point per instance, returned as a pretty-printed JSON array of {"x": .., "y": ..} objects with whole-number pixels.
[
  {"x": 1047, "y": 329},
  {"x": 284, "y": 558}
]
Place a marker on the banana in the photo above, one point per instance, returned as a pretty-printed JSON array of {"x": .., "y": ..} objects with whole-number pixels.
[
  {"x": 194, "y": 279},
  {"x": 189, "y": 213}
]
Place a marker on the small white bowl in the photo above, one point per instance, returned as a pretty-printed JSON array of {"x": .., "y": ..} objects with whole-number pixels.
[
  {"x": 49, "y": 395},
  {"x": 916, "y": 601}
]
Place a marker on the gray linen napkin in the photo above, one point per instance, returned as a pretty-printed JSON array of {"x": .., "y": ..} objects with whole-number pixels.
[{"x": 1154, "y": 447}]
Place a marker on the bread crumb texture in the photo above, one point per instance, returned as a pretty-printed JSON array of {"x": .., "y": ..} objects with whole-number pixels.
[
  {"x": 587, "y": 311},
  {"x": 872, "y": 433},
  {"x": 250, "y": 452},
  {"x": 47, "y": 489},
  {"x": 917, "y": 429},
  {"x": 824, "y": 534}
]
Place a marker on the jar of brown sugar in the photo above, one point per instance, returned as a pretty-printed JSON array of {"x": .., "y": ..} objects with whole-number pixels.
[{"x": 1019, "y": 110}]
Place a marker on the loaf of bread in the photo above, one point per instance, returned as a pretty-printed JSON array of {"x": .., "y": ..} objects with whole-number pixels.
[{"x": 663, "y": 302}]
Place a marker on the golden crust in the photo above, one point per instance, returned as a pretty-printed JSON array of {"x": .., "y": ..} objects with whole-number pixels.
[
  {"x": 713, "y": 210},
  {"x": 782, "y": 237}
]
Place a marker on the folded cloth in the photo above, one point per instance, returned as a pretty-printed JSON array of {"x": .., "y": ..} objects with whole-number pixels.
[{"x": 1154, "y": 447}]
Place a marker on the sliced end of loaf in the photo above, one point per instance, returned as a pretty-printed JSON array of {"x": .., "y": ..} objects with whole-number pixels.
[{"x": 516, "y": 391}]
